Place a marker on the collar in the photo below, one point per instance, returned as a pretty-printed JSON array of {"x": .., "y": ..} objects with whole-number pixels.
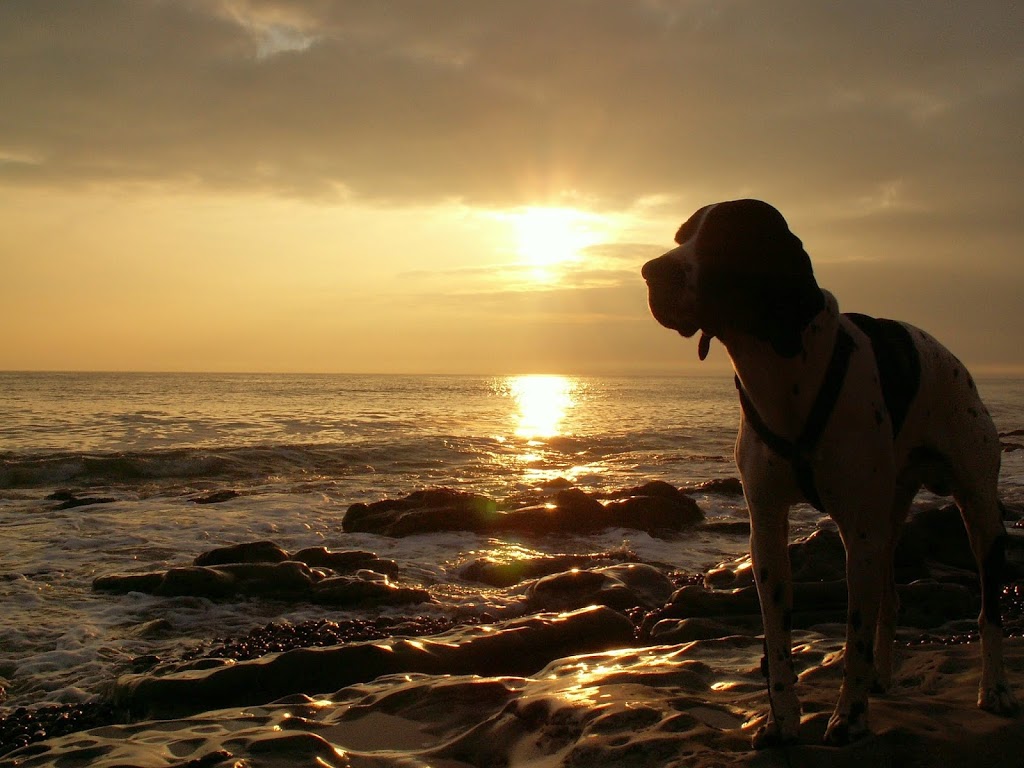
[{"x": 799, "y": 451}]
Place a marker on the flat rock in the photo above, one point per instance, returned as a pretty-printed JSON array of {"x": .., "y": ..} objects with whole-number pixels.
[
  {"x": 923, "y": 605},
  {"x": 506, "y": 573},
  {"x": 436, "y": 509},
  {"x": 655, "y": 507},
  {"x": 724, "y": 486},
  {"x": 364, "y": 589},
  {"x": 625, "y": 586},
  {"x": 248, "y": 552},
  {"x": 518, "y": 647}
]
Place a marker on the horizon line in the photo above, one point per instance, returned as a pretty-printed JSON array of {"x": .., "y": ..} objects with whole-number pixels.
[{"x": 995, "y": 371}]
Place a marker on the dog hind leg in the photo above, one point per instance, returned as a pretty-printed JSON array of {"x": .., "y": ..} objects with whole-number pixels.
[
  {"x": 889, "y": 604},
  {"x": 982, "y": 517}
]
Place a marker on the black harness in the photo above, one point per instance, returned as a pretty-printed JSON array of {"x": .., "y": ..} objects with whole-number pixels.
[{"x": 899, "y": 374}]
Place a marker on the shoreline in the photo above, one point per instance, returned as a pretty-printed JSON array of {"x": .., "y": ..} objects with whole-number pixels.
[{"x": 656, "y": 625}]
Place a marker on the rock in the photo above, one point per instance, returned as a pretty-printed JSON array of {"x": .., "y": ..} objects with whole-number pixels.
[
  {"x": 196, "y": 581},
  {"x": 925, "y": 604},
  {"x": 347, "y": 561},
  {"x": 25, "y": 725},
  {"x": 617, "y": 586},
  {"x": 70, "y": 501},
  {"x": 505, "y": 574},
  {"x": 576, "y": 503},
  {"x": 255, "y": 569},
  {"x": 818, "y": 557},
  {"x": 929, "y": 604},
  {"x": 695, "y": 600},
  {"x": 366, "y": 589},
  {"x": 251, "y": 552},
  {"x": 280, "y": 636},
  {"x": 655, "y": 514},
  {"x": 724, "y": 486},
  {"x": 937, "y": 534},
  {"x": 152, "y": 628},
  {"x": 220, "y": 581},
  {"x": 123, "y": 584},
  {"x": 216, "y": 497},
  {"x": 289, "y": 576},
  {"x": 518, "y": 647},
  {"x": 671, "y": 631},
  {"x": 556, "y": 483},
  {"x": 551, "y": 518},
  {"x": 654, "y": 507},
  {"x": 728, "y": 527},
  {"x": 657, "y": 488},
  {"x": 730, "y": 575},
  {"x": 437, "y": 509}
]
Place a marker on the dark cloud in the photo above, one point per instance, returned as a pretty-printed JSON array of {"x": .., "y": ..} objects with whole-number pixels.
[{"x": 497, "y": 103}]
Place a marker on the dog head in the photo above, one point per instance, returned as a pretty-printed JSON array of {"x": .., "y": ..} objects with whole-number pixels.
[{"x": 738, "y": 269}]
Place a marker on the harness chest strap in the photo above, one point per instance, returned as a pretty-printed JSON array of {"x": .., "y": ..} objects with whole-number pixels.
[{"x": 798, "y": 452}]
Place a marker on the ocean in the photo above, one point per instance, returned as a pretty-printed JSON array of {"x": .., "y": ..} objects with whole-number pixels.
[{"x": 298, "y": 450}]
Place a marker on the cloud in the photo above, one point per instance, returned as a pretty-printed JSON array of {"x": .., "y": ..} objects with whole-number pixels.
[{"x": 499, "y": 103}]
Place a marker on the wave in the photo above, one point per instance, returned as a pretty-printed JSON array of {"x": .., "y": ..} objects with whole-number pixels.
[
  {"x": 237, "y": 464},
  {"x": 406, "y": 458}
]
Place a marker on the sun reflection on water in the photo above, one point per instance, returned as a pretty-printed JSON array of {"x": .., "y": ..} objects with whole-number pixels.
[{"x": 542, "y": 402}]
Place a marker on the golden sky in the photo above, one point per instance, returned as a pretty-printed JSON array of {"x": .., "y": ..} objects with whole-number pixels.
[{"x": 464, "y": 186}]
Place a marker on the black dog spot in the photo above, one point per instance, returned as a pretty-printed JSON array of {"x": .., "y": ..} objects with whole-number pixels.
[
  {"x": 778, "y": 593},
  {"x": 857, "y": 711},
  {"x": 865, "y": 650},
  {"x": 899, "y": 366}
]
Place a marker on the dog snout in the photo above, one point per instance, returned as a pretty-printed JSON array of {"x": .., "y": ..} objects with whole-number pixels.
[{"x": 663, "y": 270}]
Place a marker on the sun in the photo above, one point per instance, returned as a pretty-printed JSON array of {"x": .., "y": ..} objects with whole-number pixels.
[{"x": 548, "y": 237}]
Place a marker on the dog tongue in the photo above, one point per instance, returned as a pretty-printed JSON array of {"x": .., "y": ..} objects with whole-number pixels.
[{"x": 704, "y": 345}]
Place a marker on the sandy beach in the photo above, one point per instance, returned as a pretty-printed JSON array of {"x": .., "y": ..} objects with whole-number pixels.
[{"x": 690, "y": 704}]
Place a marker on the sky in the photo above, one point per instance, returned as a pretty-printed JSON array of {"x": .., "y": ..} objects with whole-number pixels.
[{"x": 467, "y": 186}]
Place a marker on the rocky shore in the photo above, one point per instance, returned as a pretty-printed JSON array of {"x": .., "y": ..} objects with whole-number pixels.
[{"x": 635, "y": 621}]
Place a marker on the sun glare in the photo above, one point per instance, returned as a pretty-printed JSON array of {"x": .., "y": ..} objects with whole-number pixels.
[
  {"x": 549, "y": 237},
  {"x": 542, "y": 403}
]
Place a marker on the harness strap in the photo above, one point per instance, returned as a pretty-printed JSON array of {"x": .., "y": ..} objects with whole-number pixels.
[{"x": 798, "y": 452}]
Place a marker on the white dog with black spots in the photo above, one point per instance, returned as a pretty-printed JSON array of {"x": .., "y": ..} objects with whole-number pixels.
[{"x": 851, "y": 414}]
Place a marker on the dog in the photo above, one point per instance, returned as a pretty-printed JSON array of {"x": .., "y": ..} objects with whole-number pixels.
[{"x": 849, "y": 413}]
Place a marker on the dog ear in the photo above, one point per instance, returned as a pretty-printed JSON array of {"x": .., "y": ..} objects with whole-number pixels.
[
  {"x": 755, "y": 276},
  {"x": 691, "y": 226}
]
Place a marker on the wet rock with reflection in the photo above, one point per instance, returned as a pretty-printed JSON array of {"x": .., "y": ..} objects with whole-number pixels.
[
  {"x": 262, "y": 568},
  {"x": 657, "y": 508}
]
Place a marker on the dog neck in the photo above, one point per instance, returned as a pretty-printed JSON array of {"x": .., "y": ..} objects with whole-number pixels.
[{"x": 783, "y": 389}]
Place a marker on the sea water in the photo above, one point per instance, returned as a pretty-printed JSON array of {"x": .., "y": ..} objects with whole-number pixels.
[{"x": 298, "y": 450}]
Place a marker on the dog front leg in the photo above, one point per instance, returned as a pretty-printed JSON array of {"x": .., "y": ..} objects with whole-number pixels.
[
  {"x": 865, "y": 571},
  {"x": 769, "y": 534}
]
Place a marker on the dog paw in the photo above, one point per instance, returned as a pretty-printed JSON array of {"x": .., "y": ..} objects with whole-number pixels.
[
  {"x": 770, "y": 735},
  {"x": 998, "y": 699},
  {"x": 842, "y": 730}
]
